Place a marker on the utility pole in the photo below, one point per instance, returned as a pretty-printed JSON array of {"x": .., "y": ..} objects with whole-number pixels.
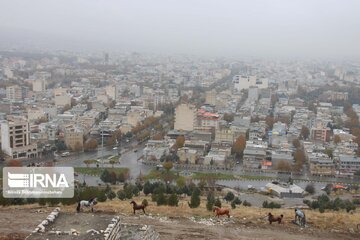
[{"x": 102, "y": 147}]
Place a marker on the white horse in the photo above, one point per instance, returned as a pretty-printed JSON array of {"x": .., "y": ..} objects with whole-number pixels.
[
  {"x": 85, "y": 203},
  {"x": 300, "y": 216}
]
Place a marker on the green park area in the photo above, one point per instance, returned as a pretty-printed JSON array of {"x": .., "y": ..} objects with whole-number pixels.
[{"x": 95, "y": 171}]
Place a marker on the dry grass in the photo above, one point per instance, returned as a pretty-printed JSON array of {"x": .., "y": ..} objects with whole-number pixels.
[
  {"x": 325, "y": 221},
  {"x": 340, "y": 220}
]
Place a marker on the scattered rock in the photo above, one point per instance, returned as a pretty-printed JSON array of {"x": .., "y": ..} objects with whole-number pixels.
[{"x": 92, "y": 231}]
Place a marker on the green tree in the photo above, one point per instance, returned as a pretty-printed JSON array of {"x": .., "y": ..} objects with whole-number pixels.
[
  {"x": 111, "y": 195},
  {"x": 310, "y": 188},
  {"x": 101, "y": 197},
  {"x": 161, "y": 199},
  {"x": 210, "y": 201},
  {"x": 228, "y": 117},
  {"x": 147, "y": 189},
  {"x": 247, "y": 204},
  {"x": 173, "y": 200},
  {"x": 195, "y": 198},
  {"x": 229, "y": 196},
  {"x": 217, "y": 202},
  {"x": 180, "y": 182},
  {"x": 121, "y": 194},
  {"x": 60, "y": 145}
]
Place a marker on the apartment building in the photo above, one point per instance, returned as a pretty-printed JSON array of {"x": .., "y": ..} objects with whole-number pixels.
[
  {"x": 185, "y": 117},
  {"x": 74, "y": 138},
  {"x": 15, "y": 137}
]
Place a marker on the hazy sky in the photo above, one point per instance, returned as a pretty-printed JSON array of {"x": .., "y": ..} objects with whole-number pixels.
[{"x": 314, "y": 28}]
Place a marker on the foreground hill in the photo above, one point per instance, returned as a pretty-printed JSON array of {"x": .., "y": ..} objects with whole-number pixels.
[{"x": 184, "y": 223}]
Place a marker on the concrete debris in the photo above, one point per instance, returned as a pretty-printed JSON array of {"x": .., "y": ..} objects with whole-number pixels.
[
  {"x": 211, "y": 221},
  {"x": 92, "y": 231},
  {"x": 143, "y": 228}
]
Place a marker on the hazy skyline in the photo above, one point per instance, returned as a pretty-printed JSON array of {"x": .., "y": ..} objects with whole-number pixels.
[{"x": 262, "y": 28}]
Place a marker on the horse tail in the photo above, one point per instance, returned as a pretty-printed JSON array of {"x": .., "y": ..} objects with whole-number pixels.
[{"x": 78, "y": 207}]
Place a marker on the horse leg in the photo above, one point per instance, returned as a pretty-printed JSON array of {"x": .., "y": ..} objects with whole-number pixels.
[
  {"x": 228, "y": 215},
  {"x": 144, "y": 210},
  {"x": 134, "y": 211},
  {"x": 92, "y": 209}
]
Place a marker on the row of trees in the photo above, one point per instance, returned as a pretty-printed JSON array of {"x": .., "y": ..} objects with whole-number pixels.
[
  {"x": 109, "y": 176},
  {"x": 323, "y": 202}
]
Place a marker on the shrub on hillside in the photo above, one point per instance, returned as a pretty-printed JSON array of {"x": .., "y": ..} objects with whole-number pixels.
[
  {"x": 217, "y": 203},
  {"x": 229, "y": 196},
  {"x": 310, "y": 188},
  {"x": 121, "y": 194},
  {"x": 173, "y": 200},
  {"x": 247, "y": 204},
  {"x": 271, "y": 205}
]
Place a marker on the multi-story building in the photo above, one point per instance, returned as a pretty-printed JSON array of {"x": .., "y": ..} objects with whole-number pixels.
[
  {"x": 185, "y": 117},
  {"x": 15, "y": 138},
  {"x": 254, "y": 154},
  {"x": 320, "y": 133},
  {"x": 225, "y": 135},
  {"x": 210, "y": 97},
  {"x": 208, "y": 119},
  {"x": 245, "y": 82},
  {"x": 16, "y": 93},
  {"x": 321, "y": 165},
  {"x": 74, "y": 138},
  {"x": 39, "y": 85},
  {"x": 348, "y": 164},
  {"x": 62, "y": 100}
]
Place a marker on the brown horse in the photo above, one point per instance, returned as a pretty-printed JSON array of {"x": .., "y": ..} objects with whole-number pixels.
[
  {"x": 272, "y": 218},
  {"x": 138, "y": 207},
  {"x": 221, "y": 211}
]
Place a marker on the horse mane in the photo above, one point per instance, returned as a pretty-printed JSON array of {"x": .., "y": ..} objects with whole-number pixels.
[{"x": 91, "y": 200}]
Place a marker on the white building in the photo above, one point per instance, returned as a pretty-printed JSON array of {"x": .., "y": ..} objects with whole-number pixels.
[
  {"x": 15, "y": 137},
  {"x": 245, "y": 82}
]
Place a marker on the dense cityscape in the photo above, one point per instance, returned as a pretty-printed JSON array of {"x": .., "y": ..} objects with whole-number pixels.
[{"x": 151, "y": 120}]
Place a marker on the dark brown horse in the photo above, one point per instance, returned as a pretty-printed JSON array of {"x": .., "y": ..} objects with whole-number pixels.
[
  {"x": 138, "y": 207},
  {"x": 272, "y": 218},
  {"x": 221, "y": 211}
]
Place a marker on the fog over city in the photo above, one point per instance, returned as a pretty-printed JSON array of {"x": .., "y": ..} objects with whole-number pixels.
[{"x": 323, "y": 28}]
